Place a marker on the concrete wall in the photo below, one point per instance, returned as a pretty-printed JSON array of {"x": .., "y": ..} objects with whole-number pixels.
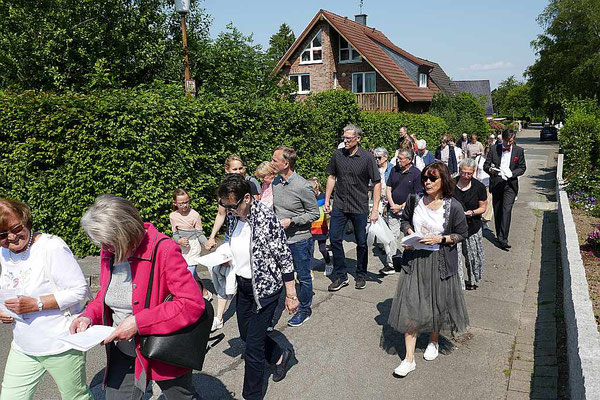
[{"x": 583, "y": 339}]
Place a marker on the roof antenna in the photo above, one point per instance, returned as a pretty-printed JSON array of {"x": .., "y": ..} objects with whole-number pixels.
[{"x": 360, "y": 5}]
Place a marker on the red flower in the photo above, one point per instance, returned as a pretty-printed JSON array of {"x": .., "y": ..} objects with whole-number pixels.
[{"x": 516, "y": 159}]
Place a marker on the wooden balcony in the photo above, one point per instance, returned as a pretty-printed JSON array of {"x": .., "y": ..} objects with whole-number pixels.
[{"x": 377, "y": 101}]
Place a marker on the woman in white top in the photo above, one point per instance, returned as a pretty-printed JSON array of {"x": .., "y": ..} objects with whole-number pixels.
[
  {"x": 429, "y": 296},
  {"x": 41, "y": 270}
]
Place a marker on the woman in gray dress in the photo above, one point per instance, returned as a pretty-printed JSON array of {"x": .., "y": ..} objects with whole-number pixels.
[{"x": 429, "y": 296}]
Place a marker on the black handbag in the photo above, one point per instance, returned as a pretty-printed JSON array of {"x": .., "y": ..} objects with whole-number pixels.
[{"x": 185, "y": 348}]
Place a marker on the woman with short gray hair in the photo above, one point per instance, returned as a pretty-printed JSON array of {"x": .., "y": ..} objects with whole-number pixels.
[
  {"x": 472, "y": 195},
  {"x": 129, "y": 249}
]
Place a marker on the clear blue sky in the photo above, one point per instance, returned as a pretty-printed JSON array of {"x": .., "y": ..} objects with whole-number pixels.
[{"x": 470, "y": 39}]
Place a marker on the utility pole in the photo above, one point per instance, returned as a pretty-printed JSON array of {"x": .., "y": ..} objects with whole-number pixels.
[{"x": 183, "y": 8}]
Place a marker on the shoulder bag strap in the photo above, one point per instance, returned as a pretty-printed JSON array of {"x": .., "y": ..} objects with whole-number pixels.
[{"x": 149, "y": 291}]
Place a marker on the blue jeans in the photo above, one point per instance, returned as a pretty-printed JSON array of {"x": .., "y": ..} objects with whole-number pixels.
[
  {"x": 337, "y": 224},
  {"x": 302, "y": 252}
]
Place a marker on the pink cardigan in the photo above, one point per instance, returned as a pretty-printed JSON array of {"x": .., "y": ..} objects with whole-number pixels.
[{"x": 170, "y": 276}]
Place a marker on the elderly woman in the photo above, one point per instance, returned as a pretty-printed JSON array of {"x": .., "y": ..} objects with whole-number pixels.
[
  {"x": 428, "y": 297},
  {"x": 385, "y": 168},
  {"x": 446, "y": 153},
  {"x": 474, "y": 147},
  {"x": 263, "y": 263},
  {"x": 128, "y": 248},
  {"x": 472, "y": 195},
  {"x": 42, "y": 271}
]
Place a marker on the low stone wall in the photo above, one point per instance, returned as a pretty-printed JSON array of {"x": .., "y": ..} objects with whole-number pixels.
[{"x": 583, "y": 339}]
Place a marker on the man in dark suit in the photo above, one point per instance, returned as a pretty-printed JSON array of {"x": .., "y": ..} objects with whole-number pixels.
[{"x": 504, "y": 163}]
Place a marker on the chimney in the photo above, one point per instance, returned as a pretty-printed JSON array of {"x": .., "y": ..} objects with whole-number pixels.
[{"x": 361, "y": 19}]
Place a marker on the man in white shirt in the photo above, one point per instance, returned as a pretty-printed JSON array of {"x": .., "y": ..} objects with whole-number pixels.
[{"x": 504, "y": 163}]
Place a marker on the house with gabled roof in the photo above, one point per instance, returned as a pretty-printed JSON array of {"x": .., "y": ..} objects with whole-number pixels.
[{"x": 336, "y": 52}]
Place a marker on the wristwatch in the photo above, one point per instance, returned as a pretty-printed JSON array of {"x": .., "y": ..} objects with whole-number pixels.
[
  {"x": 40, "y": 304},
  {"x": 443, "y": 240},
  {"x": 292, "y": 297}
]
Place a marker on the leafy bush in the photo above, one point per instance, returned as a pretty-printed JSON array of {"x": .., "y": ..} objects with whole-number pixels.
[
  {"x": 594, "y": 238},
  {"x": 58, "y": 152},
  {"x": 463, "y": 113},
  {"x": 381, "y": 129}
]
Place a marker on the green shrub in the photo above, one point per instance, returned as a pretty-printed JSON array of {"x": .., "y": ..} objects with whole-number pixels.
[
  {"x": 463, "y": 113},
  {"x": 58, "y": 152},
  {"x": 381, "y": 129}
]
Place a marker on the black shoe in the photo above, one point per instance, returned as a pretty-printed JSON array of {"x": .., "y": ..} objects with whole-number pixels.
[
  {"x": 387, "y": 270},
  {"x": 359, "y": 282},
  {"x": 508, "y": 246},
  {"x": 503, "y": 245},
  {"x": 280, "y": 369},
  {"x": 337, "y": 284}
]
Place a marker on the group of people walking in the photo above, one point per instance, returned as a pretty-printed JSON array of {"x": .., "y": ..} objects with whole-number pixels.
[{"x": 271, "y": 229}]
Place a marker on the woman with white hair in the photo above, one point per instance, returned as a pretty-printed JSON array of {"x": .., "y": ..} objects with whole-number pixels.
[
  {"x": 473, "y": 196},
  {"x": 130, "y": 248}
]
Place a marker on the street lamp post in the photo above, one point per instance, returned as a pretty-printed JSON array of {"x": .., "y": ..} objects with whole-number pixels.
[{"x": 183, "y": 8}]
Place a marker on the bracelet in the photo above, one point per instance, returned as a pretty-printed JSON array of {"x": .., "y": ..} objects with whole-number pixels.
[{"x": 291, "y": 297}]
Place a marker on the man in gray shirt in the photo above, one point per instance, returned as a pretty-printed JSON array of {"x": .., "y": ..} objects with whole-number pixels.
[{"x": 295, "y": 204}]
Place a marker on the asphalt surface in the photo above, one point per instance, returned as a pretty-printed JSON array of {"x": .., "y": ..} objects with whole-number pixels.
[{"x": 342, "y": 351}]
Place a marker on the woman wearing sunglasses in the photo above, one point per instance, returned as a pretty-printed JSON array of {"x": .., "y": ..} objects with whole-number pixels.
[
  {"x": 263, "y": 263},
  {"x": 45, "y": 286},
  {"x": 429, "y": 296}
]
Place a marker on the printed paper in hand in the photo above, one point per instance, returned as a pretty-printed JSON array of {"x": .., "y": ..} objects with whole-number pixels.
[
  {"x": 413, "y": 240},
  {"x": 220, "y": 256},
  {"x": 91, "y": 337},
  {"x": 6, "y": 294}
]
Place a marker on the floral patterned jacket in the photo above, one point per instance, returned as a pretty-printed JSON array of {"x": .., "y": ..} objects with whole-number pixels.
[{"x": 270, "y": 255}]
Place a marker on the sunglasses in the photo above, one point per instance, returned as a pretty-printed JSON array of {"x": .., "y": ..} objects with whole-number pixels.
[
  {"x": 348, "y": 139},
  {"x": 15, "y": 230},
  {"x": 379, "y": 157},
  {"x": 231, "y": 206},
  {"x": 431, "y": 178}
]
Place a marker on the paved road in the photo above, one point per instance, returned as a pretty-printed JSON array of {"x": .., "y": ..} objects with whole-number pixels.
[{"x": 340, "y": 350}]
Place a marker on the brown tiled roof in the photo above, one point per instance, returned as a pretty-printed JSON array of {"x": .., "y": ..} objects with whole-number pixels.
[{"x": 366, "y": 40}]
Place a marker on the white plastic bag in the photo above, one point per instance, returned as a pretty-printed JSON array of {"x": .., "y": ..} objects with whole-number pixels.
[{"x": 384, "y": 235}]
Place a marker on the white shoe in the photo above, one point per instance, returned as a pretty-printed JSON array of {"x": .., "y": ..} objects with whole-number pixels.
[
  {"x": 328, "y": 270},
  {"x": 432, "y": 351},
  {"x": 405, "y": 367},
  {"x": 217, "y": 324}
]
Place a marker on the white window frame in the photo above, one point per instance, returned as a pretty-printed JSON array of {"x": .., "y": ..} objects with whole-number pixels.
[
  {"x": 311, "y": 49},
  {"x": 350, "y": 52},
  {"x": 364, "y": 81},
  {"x": 422, "y": 80},
  {"x": 300, "y": 89}
]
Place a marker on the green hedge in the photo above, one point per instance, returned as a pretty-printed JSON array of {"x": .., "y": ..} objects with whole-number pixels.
[
  {"x": 464, "y": 113},
  {"x": 381, "y": 129},
  {"x": 580, "y": 139},
  {"x": 58, "y": 152}
]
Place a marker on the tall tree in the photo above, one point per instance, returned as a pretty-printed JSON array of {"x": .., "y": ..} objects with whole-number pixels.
[
  {"x": 568, "y": 54},
  {"x": 499, "y": 94},
  {"x": 280, "y": 42},
  {"x": 86, "y": 44}
]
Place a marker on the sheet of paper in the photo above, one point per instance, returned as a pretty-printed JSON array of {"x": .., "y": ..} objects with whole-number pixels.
[
  {"x": 220, "y": 256},
  {"x": 413, "y": 240},
  {"x": 6, "y": 294},
  {"x": 91, "y": 337}
]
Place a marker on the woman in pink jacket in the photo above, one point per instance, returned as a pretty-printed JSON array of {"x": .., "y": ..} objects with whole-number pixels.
[{"x": 128, "y": 247}]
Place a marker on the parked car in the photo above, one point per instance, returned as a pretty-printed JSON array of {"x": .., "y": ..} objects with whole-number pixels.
[{"x": 548, "y": 133}]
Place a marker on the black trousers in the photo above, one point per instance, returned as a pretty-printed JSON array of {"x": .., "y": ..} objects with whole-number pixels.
[
  {"x": 120, "y": 381},
  {"x": 260, "y": 348},
  {"x": 503, "y": 198}
]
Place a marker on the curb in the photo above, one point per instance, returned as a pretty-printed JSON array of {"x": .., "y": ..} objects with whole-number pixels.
[{"x": 583, "y": 338}]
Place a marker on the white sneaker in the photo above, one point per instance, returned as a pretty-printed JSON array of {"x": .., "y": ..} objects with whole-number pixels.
[
  {"x": 432, "y": 351},
  {"x": 328, "y": 269},
  {"x": 405, "y": 367},
  {"x": 217, "y": 324}
]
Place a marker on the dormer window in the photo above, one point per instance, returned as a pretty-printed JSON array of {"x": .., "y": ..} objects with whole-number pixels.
[
  {"x": 422, "y": 80},
  {"x": 347, "y": 53},
  {"x": 314, "y": 51}
]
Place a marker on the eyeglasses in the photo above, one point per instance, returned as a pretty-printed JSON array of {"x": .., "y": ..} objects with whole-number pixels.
[
  {"x": 183, "y": 203},
  {"x": 431, "y": 178},
  {"x": 15, "y": 230},
  {"x": 231, "y": 206},
  {"x": 348, "y": 139},
  {"x": 466, "y": 173}
]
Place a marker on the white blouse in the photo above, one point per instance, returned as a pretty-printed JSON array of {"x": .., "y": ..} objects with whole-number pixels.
[
  {"x": 426, "y": 221},
  {"x": 49, "y": 267},
  {"x": 240, "y": 249}
]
